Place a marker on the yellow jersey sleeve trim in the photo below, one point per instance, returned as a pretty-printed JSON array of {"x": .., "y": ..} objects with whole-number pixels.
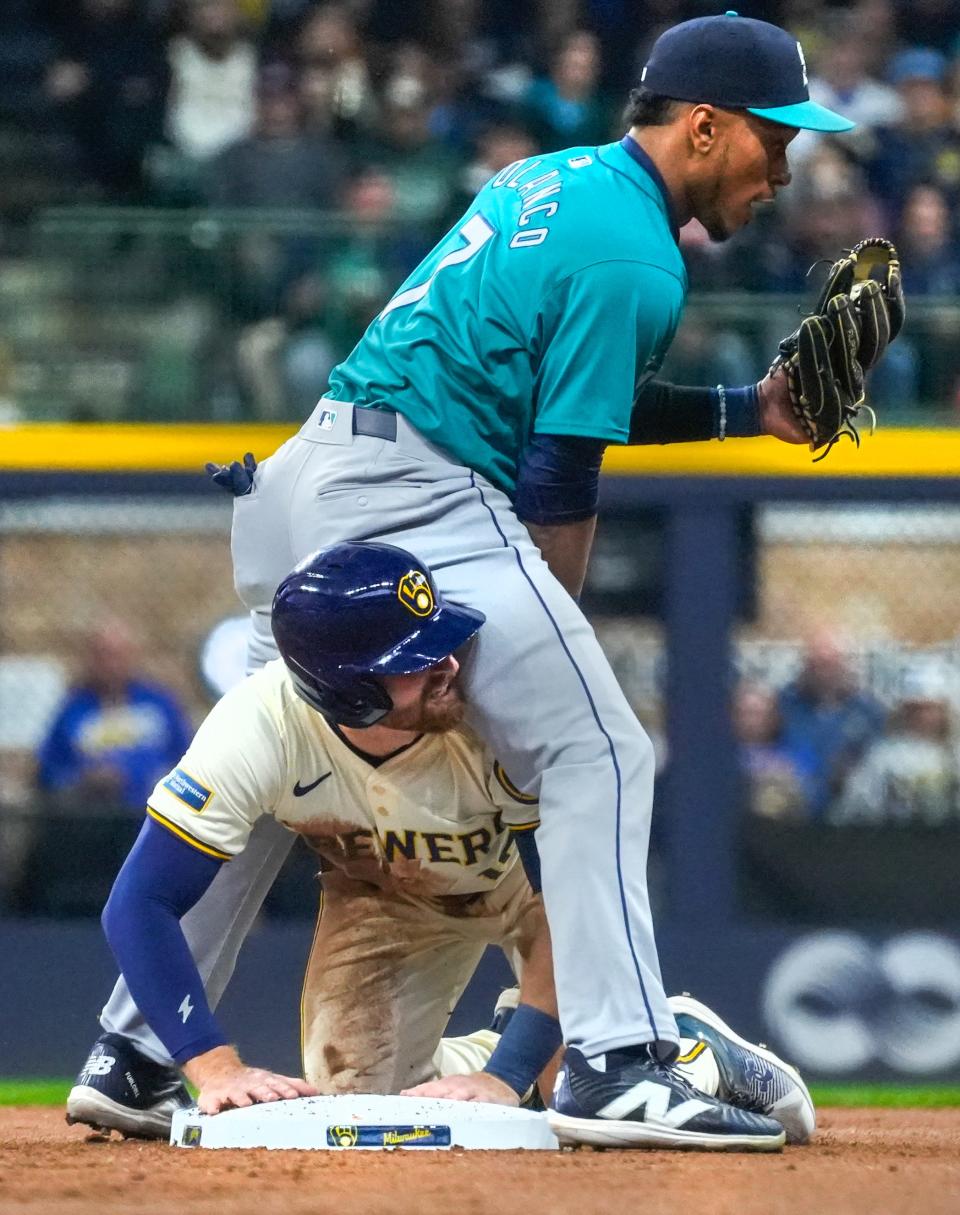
[
  {"x": 187, "y": 838},
  {"x": 507, "y": 785},
  {"x": 515, "y": 827}
]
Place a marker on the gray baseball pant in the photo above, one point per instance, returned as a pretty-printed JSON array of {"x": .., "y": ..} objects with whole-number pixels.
[{"x": 539, "y": 690}]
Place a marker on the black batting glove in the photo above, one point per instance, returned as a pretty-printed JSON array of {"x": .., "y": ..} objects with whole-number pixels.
[{"x": 236, "y": 477}]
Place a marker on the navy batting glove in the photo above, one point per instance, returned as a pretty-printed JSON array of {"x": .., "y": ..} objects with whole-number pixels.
[{"x": 236, "y": 477}]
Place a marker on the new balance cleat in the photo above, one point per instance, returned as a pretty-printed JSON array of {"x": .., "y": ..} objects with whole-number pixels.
[
  {"x": 749, "y": 1076},
  {"x": 119, "y": 1089},
  {"x": 648, "y": 1104}
]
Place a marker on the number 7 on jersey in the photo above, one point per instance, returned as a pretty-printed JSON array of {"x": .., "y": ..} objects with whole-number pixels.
[{"x": 475, "y": 232}]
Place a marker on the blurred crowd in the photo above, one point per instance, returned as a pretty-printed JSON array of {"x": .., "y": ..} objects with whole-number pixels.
[
  {"x": 395, "y": 114},
  {"x": 114, "y": 733},
  {"x": 285, "y": 102},
  {"x": 824, "y": 749},
  {"x": 819, "y": 750}
]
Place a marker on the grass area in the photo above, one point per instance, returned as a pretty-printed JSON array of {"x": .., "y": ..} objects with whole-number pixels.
[
  {"x": 896, "y": 1096},
  {"x": 890, "y": 1096},
  {"x": 34, "y": 1092}
]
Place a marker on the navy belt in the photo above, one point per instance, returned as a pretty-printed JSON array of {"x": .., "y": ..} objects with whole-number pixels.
[{"x": 379, "y": 423}]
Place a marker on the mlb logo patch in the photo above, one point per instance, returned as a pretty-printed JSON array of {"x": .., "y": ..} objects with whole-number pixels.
[{"x": 327, "y": 419}]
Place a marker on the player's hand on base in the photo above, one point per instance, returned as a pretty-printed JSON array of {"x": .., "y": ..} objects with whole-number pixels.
[
  {"x": 777, "y": 416},
  {"x": 225, "y": 1082},
  {"x": 250, "y": 1086},
  {"x": 475, "y": 1086}
]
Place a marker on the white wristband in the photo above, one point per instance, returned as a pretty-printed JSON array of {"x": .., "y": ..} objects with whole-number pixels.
[{"x": 722, "y": 427}]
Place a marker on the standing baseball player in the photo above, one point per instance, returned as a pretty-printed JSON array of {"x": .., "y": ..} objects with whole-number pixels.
[
  {"x": 469, "y": 425},
  {"x": 355, "y": 742}
]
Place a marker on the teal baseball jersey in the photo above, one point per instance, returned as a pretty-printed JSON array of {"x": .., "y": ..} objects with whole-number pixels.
[{"x": 543, "y": 311}]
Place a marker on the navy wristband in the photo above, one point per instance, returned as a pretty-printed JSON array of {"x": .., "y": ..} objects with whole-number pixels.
[
  {"x": 738, "y": 412},
  {"x": 673, "y": 413},
  {"x": 526, "y": 1046}
]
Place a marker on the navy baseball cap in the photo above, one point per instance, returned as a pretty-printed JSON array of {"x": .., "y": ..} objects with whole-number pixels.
[{"x": 738, "y": 63}]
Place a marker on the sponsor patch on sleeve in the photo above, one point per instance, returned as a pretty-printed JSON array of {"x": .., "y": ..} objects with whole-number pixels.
[{"x": 187, "y": 789}]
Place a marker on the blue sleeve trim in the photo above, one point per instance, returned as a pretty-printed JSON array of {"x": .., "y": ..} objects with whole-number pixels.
[
  {"x": 526, "y": 841},
  {"x": 187, "y": 838},
  {"x": 161, "y": 879},
  {"x": 526, "y": 1046},
  {"x": 558, "y": 480}
]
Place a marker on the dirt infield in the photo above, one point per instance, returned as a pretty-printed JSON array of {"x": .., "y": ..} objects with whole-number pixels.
[{"x": 879, "y": 1161}]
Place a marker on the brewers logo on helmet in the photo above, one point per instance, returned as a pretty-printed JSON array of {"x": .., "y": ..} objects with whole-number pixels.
[{"x": 415, "y": 594}]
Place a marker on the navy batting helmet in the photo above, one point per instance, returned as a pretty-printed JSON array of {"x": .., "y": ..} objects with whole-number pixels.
[{"x": 353, "y": 612}]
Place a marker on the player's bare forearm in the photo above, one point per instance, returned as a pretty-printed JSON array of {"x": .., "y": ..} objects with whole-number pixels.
[
  {"x": 566, "y": 550},
  {"x": 537, "y": 985},
  {"x": 536, "y": 979},
  {"x": 224, "y": 1081}
]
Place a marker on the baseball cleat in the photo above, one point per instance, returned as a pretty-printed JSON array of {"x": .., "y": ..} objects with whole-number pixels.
[
  {"x": 648, "y": 1104},
  {"x": 751, "y": 1077},
  {"x": 121, "y": 1090},
  {"x": 504, "y": 1009}
]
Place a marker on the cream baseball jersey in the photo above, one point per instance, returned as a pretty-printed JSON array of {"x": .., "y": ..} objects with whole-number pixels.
[{"x": 433, "y": 818}]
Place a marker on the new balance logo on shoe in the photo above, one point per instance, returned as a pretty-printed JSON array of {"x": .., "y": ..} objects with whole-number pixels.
[
  {"x": 122, "y": 1090},
  {"x": 98, "y": 1065},
  {"x": 647, "y": 1103},
  {"x": 654, "y": 1100}
]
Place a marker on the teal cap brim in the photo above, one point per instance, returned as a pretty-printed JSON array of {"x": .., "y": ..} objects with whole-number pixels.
[{"x": 807, "y": 115}]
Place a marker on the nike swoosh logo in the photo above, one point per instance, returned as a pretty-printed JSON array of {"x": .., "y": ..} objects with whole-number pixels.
[{"x": 299, "y": 790}]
